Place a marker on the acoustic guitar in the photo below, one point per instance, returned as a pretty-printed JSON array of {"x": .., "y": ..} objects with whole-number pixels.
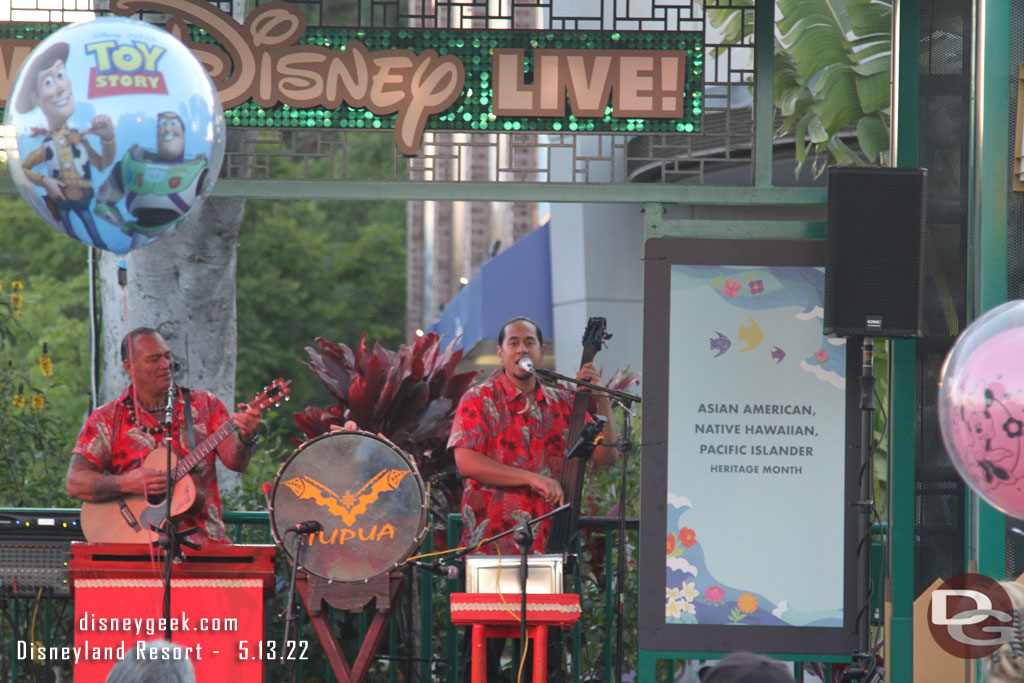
[{"x": 135, "y": 518}]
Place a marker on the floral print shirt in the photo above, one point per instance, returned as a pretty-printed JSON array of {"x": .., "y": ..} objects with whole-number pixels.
[
  {"x": 113, "y": 442},
  {"x": 497, "y": 420}
]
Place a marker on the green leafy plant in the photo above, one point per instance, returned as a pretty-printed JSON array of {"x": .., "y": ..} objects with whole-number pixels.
[
  {"x": 832, "y": 64},
  {"x": 34, "y": 438},
  {"x": 409, "y": 396},
  {"x": 604, "y": 496}
]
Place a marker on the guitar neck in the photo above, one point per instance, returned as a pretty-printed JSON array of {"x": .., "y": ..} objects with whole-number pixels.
[
  {"x": 573, "y": 469},
  {"x": 185, "y": 465}
]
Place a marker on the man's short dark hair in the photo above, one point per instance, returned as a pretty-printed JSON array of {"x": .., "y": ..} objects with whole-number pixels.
[
  {"x": 130, "y": 339},
  {"x": 523, "y": 318}
]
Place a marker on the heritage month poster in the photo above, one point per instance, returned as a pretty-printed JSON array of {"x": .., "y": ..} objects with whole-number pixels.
[{"x": 756, "y": 465}]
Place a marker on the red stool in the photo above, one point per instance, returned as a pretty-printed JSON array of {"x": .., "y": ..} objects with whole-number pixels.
[{"x": 490, "y": 618}]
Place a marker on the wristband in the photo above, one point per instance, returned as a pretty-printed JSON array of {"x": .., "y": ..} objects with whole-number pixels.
[{"x": 248, "y": 443}]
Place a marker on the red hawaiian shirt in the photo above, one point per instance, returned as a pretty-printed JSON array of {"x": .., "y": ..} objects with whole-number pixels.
[
  {"x": 112, "y": 441},
  {"x": 497, "y": 420}
]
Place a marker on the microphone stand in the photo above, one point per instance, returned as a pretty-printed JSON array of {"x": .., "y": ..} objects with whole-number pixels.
[
  {"x": 524, "y": 539},
  {"x": 168, "y": 542},
  {"x": 290, "y": 611},
  {"x": 550, "y": 376},
  {"x": 625, "y": 446},
  {"x": 487, "y": 541},
  {"x": 169, "y": 537}
]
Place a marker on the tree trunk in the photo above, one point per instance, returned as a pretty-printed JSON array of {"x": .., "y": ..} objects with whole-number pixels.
[{"x": 183, "y": 285}]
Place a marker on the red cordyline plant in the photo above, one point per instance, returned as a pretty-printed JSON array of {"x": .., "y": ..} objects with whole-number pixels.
[{"x": 409, "y": 396}]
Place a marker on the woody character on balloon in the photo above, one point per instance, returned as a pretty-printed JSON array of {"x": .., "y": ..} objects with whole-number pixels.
[{"x": 65, "y": 154}]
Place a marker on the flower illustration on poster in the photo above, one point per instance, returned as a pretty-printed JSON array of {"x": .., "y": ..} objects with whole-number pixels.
[{"x": 692, "y": 595}]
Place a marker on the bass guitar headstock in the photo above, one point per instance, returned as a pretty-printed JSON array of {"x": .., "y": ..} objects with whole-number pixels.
[{"x": 596, "y": 334}]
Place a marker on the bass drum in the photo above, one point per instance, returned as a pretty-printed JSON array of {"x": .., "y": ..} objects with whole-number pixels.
[{"x": 367, "y": 495}]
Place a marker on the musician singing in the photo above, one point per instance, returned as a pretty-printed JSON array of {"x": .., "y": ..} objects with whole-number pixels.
[
  {"x": 509, "y": 440},
  {"x": 106, "y": 460}
]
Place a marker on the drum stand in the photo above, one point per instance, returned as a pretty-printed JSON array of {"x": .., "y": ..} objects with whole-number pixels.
[{"x": 315, "y": 591}]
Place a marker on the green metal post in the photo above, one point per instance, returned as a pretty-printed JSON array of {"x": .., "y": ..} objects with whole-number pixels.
[
  {"x": 903, "y": 394},
  {"x": 609, "y": 607},
  {"x": 426, "y": 619},
  {"x": 989, "y": 188},
  {"x": 764, "y": 84},
  {"x": 451, "y": 636}
]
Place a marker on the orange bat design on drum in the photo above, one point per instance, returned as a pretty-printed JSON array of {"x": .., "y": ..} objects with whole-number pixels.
[{"x": 349, "y": 506}]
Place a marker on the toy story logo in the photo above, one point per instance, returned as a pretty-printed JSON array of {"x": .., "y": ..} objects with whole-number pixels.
[{"x": 126, "y": 69}]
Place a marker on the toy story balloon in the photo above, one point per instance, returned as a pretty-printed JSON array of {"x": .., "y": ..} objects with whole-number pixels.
[
  {"x": 114, "y": 132},
  {"x": 981, "y": 407}
]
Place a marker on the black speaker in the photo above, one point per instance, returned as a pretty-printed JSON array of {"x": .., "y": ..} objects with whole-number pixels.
[{"x": 874, "y": 270}]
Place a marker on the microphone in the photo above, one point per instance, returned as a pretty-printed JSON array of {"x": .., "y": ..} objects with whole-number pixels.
[
  {"x": 309, "y": 527},
  {"x": 526, "y": 364},
  {"x": 523, "y": 535},
  {"x": 447, "y": 571},
  {"x": 267, "y": 488},
  {"x": 169, "y": 408},
  {"x": 175, "y": 367}
]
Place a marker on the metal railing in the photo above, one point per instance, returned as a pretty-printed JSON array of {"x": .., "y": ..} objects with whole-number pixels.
[{"x": 50, "y": 615}]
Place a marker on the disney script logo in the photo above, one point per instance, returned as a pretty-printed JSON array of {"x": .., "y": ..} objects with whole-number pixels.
[{"x": 263, "y": 64}]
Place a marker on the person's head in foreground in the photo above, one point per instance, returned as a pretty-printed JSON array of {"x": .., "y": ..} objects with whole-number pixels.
[
  {"x": 158, "y": 662},
  {"x": 747, "y": 667},
  {"x": 1006, "y": 665}
]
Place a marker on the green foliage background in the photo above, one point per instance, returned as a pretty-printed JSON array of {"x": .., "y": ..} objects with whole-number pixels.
[
  {"x": 34, "y": 443},
  {"x": 305, "y": 269}
]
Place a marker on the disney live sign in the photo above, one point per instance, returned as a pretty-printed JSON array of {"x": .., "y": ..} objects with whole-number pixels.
[{"x": 271, "y": 71}]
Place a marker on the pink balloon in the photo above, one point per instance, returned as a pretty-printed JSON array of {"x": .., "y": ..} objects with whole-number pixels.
[{"x": 981, "y": 409}]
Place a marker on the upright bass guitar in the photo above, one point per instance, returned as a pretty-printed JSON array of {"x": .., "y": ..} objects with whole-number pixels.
[
  {"x": 133, "y": 518},
  {"x": 564, "y": 524}
]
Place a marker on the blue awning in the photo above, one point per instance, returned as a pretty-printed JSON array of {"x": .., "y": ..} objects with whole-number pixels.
[{"x": 515, "y": 282}]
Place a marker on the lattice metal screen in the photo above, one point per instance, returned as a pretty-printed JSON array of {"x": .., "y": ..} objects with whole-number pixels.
[{"x": 631, "y": 154}]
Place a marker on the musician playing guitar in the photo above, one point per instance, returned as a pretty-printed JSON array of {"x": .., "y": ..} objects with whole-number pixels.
[{"x": 117, "y": 437}]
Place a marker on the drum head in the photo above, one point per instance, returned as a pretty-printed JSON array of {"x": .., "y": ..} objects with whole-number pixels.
[{"x": 367, "y": 495}]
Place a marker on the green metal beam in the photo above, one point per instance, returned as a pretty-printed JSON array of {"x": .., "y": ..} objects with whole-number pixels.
[
  {"x": 793, "y": 230},
  {"x": 529, "y": 192},
  {"x": 406, "y": 190}
]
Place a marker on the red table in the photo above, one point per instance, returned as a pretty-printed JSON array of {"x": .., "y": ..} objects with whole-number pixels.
[
  {"x": 492, "y": 617},
  {"x": 217, "y": 597}
]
